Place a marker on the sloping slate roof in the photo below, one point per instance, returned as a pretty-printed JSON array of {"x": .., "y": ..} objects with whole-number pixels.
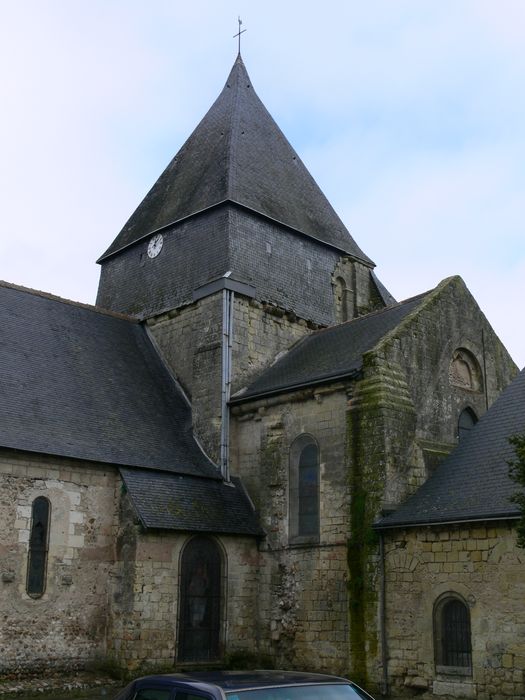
[
  {"x": 472, "y": 483},
  {"x": 238, "y": 153},
  {"x": 78, "y": 382},
  {"x": 175, "y": 502},
  {"x": 383, "y": 292},
  {"x": 330, "y": 353}
]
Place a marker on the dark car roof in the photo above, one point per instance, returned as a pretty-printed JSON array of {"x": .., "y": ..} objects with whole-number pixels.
[
  {"x": 218, "y": 683},
  {"x": 238, "y": 680}
]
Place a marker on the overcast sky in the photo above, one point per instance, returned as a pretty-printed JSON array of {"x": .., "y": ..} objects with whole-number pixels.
[{"x": 410, "y": 114}]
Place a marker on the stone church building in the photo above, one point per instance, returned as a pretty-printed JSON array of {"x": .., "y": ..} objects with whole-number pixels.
[{"x": 248, "y": 450}]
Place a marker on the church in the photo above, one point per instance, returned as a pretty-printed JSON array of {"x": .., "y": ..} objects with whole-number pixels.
[{"x": 248, "y": 452}]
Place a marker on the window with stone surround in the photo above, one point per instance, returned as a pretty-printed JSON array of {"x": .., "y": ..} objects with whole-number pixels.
[
  {"x": 467, "y": 420},
  {"x": 304, "y": 490},
  {"x": 38, "y": 546},
  {"x": 452, "y": 636}
]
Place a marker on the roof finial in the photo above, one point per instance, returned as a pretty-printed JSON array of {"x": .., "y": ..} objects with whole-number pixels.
[{"x": 241, "y": 31}]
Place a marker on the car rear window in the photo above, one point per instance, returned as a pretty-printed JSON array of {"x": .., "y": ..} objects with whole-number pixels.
[
  {"x": 318, "y": 691},
  {"x": 153, "y": 694}
]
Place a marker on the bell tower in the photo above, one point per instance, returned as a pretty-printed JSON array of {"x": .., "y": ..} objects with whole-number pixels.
[{"x": 232, "y": 256}]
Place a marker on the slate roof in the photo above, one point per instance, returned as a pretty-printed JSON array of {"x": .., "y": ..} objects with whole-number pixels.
[
  {"x": 329, "y": 353},
  {"x": 176, "y": 502},
  {"x": 472, "y": 483},
  {"x": 82, "y": 383},
  {"x": 238, "y": 153}
]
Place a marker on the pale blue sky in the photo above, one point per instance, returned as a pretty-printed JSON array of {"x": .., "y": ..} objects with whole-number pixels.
[{"x": 410, "y": 114}]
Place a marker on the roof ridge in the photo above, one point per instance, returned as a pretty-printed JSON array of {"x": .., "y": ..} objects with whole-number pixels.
[
  {"x": 233, "y": 118},
  {"x": 430, "y": 296},
  {"x": 70, "y": 302},
  {"x": 376, "y": 312}
]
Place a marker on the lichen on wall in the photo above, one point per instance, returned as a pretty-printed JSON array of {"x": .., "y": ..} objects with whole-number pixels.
[{"x": 380, "y": 428}]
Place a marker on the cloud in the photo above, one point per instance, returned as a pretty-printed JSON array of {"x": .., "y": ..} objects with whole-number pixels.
[{"x": 410, "y": 115}]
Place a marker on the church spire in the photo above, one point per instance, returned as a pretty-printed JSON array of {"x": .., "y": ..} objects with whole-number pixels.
[{"x": 238, "y": 154}]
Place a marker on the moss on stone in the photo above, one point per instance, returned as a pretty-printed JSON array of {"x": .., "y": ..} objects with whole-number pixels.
[{"x": 366, "y": 487}]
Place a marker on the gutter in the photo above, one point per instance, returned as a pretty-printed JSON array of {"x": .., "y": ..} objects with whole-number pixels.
[
  {"x": 228, "y": 296},
  {"x": 294, "y": 387},
  {"x": 382, "y": 616},
  {"x": 436, "y": 523}
]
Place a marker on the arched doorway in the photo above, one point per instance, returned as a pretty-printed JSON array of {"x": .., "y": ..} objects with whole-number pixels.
[{"x": 200, "y": 601}]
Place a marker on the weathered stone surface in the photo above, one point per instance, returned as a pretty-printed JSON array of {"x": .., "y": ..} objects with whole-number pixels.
[
  {"x": 65, "y": 627},
  {"x": 423, "y": 564}
]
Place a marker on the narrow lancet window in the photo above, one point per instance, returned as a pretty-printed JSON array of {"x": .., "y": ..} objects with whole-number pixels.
[
  {"x": 304, "y": 489},
  {"x": 38, "y": 546}
]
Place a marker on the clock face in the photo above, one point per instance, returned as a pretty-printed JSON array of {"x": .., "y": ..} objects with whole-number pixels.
[{"x": 155, "y": 245}]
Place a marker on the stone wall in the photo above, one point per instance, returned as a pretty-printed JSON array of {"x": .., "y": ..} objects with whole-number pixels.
[
  {"x": 403, "y": 420},
  {"x": 260, "y": 333},
  {"x": 303, "y": 600},
  {"x": 66, "y": 626},
  {"x": 144, "y": 630},
  {"x": 379, "y": 438},
  {"x": 481, "y": 564},
  {"x": 190, "y": 340},
  {"x": 420, "y": 350}
]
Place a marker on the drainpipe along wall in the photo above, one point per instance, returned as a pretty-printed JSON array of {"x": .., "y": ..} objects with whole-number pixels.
[
  {"x": 227, "y": 341},
  {"x": 382, "y": 615}
]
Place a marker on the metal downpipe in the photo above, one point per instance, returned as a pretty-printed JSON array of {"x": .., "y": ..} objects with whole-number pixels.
[{"x": 226, "y": 371}]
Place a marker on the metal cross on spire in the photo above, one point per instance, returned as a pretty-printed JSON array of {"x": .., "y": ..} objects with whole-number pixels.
[{"x": 241, "y": 31}]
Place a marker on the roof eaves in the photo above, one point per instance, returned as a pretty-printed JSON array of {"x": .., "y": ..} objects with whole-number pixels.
[
  {"x": 110, "y": 253},
  {"x": 435, "y": 522},
  {"x": 366, "y": 261},
  {"x": 289, "y": 388}
]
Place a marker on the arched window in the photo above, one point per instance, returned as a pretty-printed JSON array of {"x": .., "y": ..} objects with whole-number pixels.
[
  {"x": 304, "y": 489},
  {"x": 467, "y": 420},
  {"x": 453, "y": 645},
  {"x": 38, "y": 545},
  {"x": 200, "y": 601}
]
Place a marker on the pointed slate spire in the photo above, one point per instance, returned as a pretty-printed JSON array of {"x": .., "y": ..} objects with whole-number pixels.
[{"x": 238, "y": 153}]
